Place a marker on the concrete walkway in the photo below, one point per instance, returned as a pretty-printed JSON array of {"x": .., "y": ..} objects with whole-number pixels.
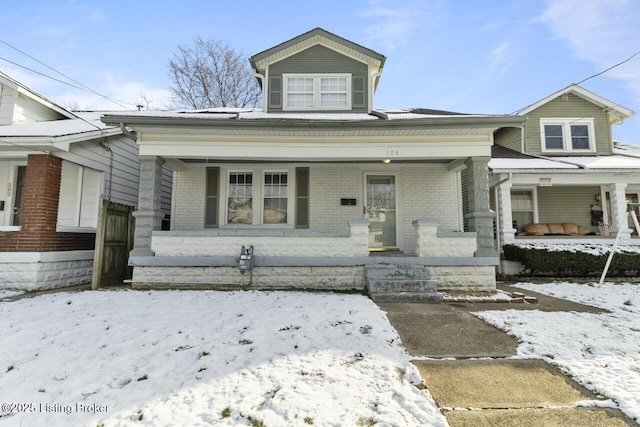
[{"x": 495, "y": 390}]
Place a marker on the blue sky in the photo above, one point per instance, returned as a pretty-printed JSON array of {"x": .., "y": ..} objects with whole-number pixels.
[{"x": 490, "y": 56}]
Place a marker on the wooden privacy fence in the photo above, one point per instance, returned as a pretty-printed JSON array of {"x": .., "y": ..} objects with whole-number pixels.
[{"x": 114, "y": 241}]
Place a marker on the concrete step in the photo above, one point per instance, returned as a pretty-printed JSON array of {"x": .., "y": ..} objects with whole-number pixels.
[{"x": 401, "y": 283}]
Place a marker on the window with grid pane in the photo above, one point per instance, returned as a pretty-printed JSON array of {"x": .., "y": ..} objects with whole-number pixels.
[
  {"x": 275, "y": 198},
  {"x": 567, "y": 134},
  {"x": 333, "y": 92},
  {"x": 300, "y": 91},
  {"x": 240, "y": 198},
  {"x": 317, "y": 91}
]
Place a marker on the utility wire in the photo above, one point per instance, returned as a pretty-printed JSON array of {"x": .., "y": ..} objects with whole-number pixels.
[
  {"x": 610, "y": 68},
  {"x": 79, "y": 85}
]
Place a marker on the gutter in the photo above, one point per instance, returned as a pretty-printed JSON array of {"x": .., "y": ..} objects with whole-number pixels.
[{"x": 440, "y": 122}]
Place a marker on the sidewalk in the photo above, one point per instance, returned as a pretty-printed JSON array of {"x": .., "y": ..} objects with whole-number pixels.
[{"x": 495, "y": 390}]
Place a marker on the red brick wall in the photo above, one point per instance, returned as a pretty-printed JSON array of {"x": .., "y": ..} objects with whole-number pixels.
[{"x": 40, "y": 212}]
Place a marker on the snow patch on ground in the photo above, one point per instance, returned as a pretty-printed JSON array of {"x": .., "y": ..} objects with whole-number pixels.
[
  {"x": 600, "y": 351},
  {"x": 201, "y": 358}
]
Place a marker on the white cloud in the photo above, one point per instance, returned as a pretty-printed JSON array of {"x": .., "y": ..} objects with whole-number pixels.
[
  {"x": 601, "y": 32},
  {"x": 393, "y": 22},
  {"x": 501, "y": 59}
]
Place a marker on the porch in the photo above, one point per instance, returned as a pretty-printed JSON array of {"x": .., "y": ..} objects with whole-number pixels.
[{"x": 303, "y": 259}]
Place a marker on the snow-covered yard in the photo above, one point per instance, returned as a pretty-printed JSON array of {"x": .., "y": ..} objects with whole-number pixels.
[
  {"x": 600, "y": 351},
  {"x": 203, "y": 358}
]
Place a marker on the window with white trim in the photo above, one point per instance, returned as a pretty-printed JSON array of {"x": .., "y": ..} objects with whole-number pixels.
[
  {"x": 522, "y": 208},
  {"x": 567, "y": 135},
  {"x": 80, "y": 193},
  {"x": 321, "y": 92},
  {"x": 259, "y": 197},
  {"x": 275, "y": 198},
  {"x": 240, "y": 198}
]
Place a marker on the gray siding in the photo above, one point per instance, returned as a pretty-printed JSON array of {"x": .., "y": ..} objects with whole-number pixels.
[
  {"x": 566, "y": 204},
  {"x": 319, "y": 60},
  {"x": 510, "y": 138},
  {"x": 573, "y": 106},
  {"x": 122, "y": 181}
]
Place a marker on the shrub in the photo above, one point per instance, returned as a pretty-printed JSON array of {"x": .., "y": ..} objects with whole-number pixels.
[{"x": 564, "y": 263}]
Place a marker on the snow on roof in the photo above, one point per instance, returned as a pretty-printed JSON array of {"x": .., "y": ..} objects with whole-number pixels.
[
  {"x": 606, "y": 162},
  {"x": 258, "y": 114},
  {"x": 88, "y": 122},
  {"x": 626, "y": 148},
  {"x": 509, "y": 164},
  {"x": 588, "y": 162}
]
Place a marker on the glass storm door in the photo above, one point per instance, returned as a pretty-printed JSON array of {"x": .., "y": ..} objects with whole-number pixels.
[{"x": 380, "y": 209}]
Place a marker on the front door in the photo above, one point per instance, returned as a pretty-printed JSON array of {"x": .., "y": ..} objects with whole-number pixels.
[
  {"x": 380, "y": 209},
  {"x": 18, "y": 199}
]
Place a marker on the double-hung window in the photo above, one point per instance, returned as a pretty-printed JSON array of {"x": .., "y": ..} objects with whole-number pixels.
[
  {"x": 80, "y": 194},
  {"x": 321, "y": 92},
  {"x": 567, "y": 135},
  {"x": 275, "y": 198},
  {"x": 255, "y": 197},
  {"x": 240, "y": 198}
]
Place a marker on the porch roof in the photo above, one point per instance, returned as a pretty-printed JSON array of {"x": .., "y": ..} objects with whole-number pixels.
[
  {"x": 54, "y": 134},
  {"x": 587, "y": 163},
  {"x": 248, "y": 134}
]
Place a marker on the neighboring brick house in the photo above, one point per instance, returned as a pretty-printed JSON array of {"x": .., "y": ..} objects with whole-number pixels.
[
  {"x": 55, "y": 168},
  {"x": 318, "y": 181}
]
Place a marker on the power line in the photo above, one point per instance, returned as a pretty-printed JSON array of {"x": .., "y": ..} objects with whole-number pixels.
[
  {"x": 79, "y": 86},
  {"x": 610, "y": 68}
]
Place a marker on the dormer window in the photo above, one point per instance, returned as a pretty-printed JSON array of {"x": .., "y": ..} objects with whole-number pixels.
[
  {"x": 317, "y": 92},
  {"x": 567, "y": 135}
]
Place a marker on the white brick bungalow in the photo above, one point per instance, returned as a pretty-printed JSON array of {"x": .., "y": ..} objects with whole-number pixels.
[{"x": 319, "y": 183}]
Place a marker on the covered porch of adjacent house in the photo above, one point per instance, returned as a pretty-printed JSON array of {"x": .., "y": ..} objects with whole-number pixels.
[{"x": 559, "y": 209}]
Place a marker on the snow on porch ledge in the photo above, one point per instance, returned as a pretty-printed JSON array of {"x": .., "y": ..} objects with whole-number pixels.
[{"x": 276, "y": 243}]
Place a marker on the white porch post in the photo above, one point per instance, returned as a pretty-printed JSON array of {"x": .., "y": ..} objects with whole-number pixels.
[
  {"x": 148, "y": 216},
  {"x": 617, "y": 193},
  {"x": 507, "y": 232}
]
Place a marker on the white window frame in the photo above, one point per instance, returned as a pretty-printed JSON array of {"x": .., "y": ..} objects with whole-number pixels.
[
  {"x": 534, "y": 201},
  {"x": 317, "y": 78},
  {"x": 566, "y": 123},
  {"x": 257, "y": 203},
  {"x": 79, "y": 196}
]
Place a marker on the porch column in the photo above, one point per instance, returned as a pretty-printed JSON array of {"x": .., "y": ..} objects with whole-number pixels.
[
  {"x": 507, "y": 232},
  {"x": 617, "y": 193},
  {"x": 148, "y": 216},
  {"x": 479, "y": 216}
]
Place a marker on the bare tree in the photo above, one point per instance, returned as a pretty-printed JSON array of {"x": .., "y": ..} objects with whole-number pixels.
[{"x": 211, "y": 74}]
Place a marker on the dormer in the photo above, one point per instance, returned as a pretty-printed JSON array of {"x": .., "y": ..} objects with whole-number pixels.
[
  {"x": 572, "y": 122},
  {"x": 318, "y": 72}
]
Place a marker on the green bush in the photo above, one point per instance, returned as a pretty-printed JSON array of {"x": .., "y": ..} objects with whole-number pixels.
[{"x": 542, "y": 262}]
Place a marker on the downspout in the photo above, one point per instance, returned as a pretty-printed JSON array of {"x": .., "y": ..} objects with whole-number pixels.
[
  {"x": 128, "y": 133},
  {"x": 498, "y": 240},
  {"x": 372, "y": 89},
  {"x": 264, "y": 90}
]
